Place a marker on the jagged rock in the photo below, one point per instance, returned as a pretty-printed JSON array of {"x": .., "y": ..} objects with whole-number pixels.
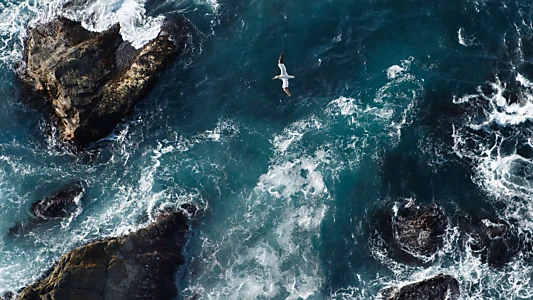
[
  {"x": 412, "y": 233},
  {"x": 61, "y": 204},
  {"x": 92, "y": 80},
  {"x": 141, "y": 265},
  {"x": 419, "y": 229},
  {"x": 440, "y": 287}
]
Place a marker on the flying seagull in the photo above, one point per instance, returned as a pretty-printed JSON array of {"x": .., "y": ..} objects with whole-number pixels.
[{"x": 284, "y": 76}]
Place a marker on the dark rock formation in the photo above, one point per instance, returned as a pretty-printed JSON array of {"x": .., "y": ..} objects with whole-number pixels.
[
  {"x": 440, "y": 287},
  {"x": 412, "y": 233},
  {"x": 419, "y": 229},
  {"x": 61, "y": 204},
  {"x": 496, "y": 242},
  {"x": 141, "y": 265},
  {"x": 92, "y": 80}
]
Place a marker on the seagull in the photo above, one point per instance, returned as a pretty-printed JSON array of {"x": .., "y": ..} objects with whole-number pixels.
[{"x": 284, "y": 76}]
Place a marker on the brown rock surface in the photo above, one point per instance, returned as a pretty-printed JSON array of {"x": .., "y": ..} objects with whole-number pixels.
[
  {"x": 92, "y": 80},
  {"x": 141, "y": 265}
]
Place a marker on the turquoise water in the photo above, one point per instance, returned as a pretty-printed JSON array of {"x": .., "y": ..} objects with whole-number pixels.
[{"x": 387, "y": 105}]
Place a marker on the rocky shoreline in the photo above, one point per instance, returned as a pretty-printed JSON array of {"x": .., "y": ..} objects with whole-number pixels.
[
  {"x": 140, "y": 265},
  {"x": 89, "y": 82}
]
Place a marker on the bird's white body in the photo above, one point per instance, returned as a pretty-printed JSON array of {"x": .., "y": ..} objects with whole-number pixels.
[{"x": 284, "y": 76}]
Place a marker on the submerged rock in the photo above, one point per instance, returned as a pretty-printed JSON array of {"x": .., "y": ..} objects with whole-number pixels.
[
  {"x": 92, "y": 80},
  {"x": 495, "y": 242},
  {"x": 141, "y": 265},
  {"x": 440, "y": 287}
]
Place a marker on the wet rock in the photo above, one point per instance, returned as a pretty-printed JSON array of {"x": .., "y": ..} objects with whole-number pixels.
[
  {"x": 141, "y": 265},
  {"x": 92, "y": 80},
  {"x": 61, "y": 204},
  {"x": 496, "y": 242},
  {"x": 412, "y": 233},
  {"x": 419, "y": 230},
  {"x": 440, "y": 287}
]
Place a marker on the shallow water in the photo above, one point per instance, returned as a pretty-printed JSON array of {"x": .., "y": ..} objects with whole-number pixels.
[{"x": 390, "y": 102}]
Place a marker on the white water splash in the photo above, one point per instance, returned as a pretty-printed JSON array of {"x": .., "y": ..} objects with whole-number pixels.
[
  {"x": 500, "y": 169},
  {"x": 394, "y": 71},
  {"x": 266, "y": 250},
  {"x": 96, "y": 15},
  {"x": 501, "y": 111},
  {"x": 295, "y": 132},
  {"x": 215, "y": 6}
]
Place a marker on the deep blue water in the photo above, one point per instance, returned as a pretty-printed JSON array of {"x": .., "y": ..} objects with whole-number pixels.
[{"x": 389, "y": 103}]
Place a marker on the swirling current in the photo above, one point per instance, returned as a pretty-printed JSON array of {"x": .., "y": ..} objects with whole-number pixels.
[{"x": 423, "y": 101}]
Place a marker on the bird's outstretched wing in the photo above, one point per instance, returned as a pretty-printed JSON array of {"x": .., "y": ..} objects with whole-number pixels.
[
  {"x": 281, "y": 65},
  {"x": 282, "y": 69},
  {"x": 285, "y": 86}
]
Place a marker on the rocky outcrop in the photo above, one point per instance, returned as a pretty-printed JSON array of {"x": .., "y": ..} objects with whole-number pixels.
[
  {"x": 412, "y": 233},
  {"x": 141, "y": 265},
  {"x": 419, "y": 230},
  {"x": 440, "y": 287},
  {"x": 60, "y": 204},
  {"x": 92, "y": 80}
]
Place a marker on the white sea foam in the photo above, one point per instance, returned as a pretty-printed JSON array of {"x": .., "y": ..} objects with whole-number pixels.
[
  {"x": 292, "y": 177},
  {"x": 215, "y": 6},
  {"x": 96, "y": 15},
  {"x": 225, "y": 128},
  {"x": 500, "y": 110},
  {"x": 295, "y": 132},
  {"x": 344, "y": 106},
  {"x": 463, "y": 40},
  {"x": 477, "y": 280},
  {"x": 393, "y": 95},
  {"x": 505, "y": 175},
  {"x": 394, "y": 71},
  {"x": 266, "y": 248},
  {"x": 99, "y": 15},
  {"x": 500, "y": 170}
]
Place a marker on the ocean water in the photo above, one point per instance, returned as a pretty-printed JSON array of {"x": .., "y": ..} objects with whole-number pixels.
[{"x": 414, "y": 100}]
